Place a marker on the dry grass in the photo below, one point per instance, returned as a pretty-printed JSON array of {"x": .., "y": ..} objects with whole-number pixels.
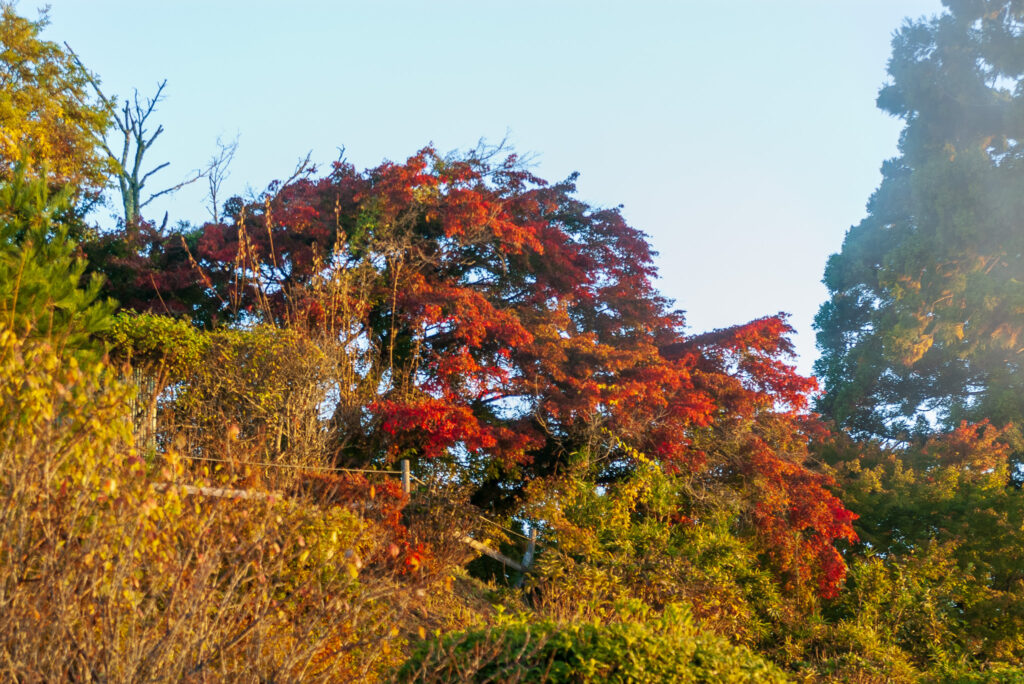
[{"x": 108, "y": 574}]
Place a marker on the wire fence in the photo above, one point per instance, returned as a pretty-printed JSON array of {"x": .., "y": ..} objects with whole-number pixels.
[
  {"x": 296, "y": 466},
  {"x": 222, "y": 492}
]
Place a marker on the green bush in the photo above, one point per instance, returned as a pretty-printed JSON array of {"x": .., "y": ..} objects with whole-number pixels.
[
  {"x": 42, "y": 290},
  {"x": 669, "y": 648},
  {"x": 994, "y": 674}
]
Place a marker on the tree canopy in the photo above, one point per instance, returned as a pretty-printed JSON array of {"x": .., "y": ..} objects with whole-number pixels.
[
  {"x": 486, "y": 316},
  {"x": 48, "y": 115},
  {"x": 926, "y": 312}
]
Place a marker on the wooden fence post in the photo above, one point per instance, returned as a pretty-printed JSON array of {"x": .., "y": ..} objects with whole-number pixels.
[
  {"x": 531, "y": 548},
  {"x": 406, "y": 476}
]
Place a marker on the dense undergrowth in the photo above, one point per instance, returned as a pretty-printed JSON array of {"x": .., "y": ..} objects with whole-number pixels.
[{"x": 169, "y": 512}]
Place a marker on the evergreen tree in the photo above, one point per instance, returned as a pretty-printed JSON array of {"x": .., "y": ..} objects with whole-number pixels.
[
  {"x": 41, "y": 289},
  {"x": 925, "y": 321}
]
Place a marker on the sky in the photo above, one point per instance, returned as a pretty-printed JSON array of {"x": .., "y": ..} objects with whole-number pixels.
[{"x": 741, "y": 136}]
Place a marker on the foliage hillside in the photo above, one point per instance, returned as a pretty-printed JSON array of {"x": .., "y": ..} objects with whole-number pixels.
[{"x": 201, "y": 427}]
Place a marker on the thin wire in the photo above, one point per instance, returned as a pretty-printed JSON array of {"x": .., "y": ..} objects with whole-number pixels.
[
  {"x": 503, "y": 528},
  {"x": 302, "y": 467},
  {"x": 345, "y": 470}
]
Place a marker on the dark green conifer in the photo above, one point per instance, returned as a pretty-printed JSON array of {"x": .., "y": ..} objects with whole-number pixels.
[{"x": 926, "y": 309}]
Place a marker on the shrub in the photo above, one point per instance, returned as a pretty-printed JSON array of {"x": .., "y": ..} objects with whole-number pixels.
[
  {"x": 112, "y": 569},
  {"x": 669, "y": 648},
  {"x": 628, "y": 540}
]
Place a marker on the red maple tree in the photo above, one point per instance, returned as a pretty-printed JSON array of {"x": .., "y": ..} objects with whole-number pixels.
[{"x": 493, "y": 315}]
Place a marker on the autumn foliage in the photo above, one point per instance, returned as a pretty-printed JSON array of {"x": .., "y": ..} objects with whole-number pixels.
[
  {"x": 486, "y": 312},
  {"x": 201, "y": 426}
]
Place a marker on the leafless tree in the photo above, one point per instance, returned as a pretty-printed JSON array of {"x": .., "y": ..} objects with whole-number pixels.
[
  {"x": 218, "y": 167},
  {"x": 133, "y": 122}
]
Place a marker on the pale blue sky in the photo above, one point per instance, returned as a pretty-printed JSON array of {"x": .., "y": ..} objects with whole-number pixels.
[{"x": 741, "y": 136}]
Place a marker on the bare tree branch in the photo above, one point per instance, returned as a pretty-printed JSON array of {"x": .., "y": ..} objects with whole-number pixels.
[
  {"x": 218, "y": 171},
  {"x": 174, "y": 188},
  {"x": 131, "y": 122},
  {"x": 303, "y": 168},
  {"x": 165, "y": 164}
]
